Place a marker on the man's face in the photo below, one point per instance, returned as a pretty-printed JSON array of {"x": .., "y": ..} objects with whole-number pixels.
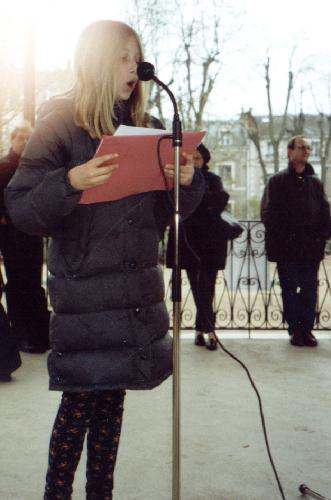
[
  {"x": 19, "y": 141},
  {"x": 301, "y": 151}
]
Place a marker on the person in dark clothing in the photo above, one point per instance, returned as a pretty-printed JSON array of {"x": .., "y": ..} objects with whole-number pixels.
[
  {"x": 23, "y": 260},
  {"x": 10, "y": 358},
  {"x": 203, "y": 249},
  {"x": 109, "y": 328},
  {"x": 296, "y": 215}
]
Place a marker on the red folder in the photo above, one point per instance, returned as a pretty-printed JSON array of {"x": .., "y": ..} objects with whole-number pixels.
[{"x": 138, "y": 169}]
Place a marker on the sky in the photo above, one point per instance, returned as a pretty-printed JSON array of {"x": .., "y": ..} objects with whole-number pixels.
[{"x": 265, "y": 27}]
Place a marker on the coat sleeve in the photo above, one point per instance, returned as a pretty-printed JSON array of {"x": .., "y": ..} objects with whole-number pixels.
[
  {"x": 269, "y": 209},
  {"x": 215, "y": 198},
  {"x": 325, "y": 222},
  {"x": 39, "y": 195}
]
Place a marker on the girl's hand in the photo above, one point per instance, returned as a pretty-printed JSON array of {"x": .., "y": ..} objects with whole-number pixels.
[
  {"x": 92, "y": 173},
  {"x": 186, "y": 171}
]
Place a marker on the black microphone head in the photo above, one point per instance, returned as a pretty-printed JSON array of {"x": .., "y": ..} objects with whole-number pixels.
[{"x": 145, "y": 71}]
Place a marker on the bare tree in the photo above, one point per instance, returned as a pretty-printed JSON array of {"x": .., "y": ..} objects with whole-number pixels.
[
  {"x": 201, "y": 49},
  {"x": 324, "y": 127},
  {"x": 276, "y": 129},
  {"x": 151, "y": 19},
  {"x": 186, "y": 42}
]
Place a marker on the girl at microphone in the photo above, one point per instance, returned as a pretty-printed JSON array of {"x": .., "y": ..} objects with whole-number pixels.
[{"x": 109, "y": 328}]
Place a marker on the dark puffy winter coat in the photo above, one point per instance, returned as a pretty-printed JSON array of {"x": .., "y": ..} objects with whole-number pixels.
[
  {"x": 296, "y": 215},
  {"x": 202, "y": 242},
  {"x": 109, "y": 329}
]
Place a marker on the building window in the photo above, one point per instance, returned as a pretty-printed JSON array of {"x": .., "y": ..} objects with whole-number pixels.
[
  {"x": 227, "y": 174},
  {"x": 315, "y": 149},
  {"x": 225, "y": 139},
  {"x": 270, "y": 150}
]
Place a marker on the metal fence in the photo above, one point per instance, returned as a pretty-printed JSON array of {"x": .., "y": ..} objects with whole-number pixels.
[{"x": 248, "y": 294}]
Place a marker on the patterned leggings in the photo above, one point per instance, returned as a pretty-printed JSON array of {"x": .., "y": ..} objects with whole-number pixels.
[{"x": 100, "y": 415}]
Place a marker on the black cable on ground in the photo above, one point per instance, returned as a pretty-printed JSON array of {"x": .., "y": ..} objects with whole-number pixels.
[{"x": 261, "y": 414}]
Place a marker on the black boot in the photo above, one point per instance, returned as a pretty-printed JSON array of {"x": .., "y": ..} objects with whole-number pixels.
[{"x": 297, "y": 338}]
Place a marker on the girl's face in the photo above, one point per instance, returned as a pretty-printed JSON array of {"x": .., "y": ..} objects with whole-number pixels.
[{"x": 126, "y": 71}]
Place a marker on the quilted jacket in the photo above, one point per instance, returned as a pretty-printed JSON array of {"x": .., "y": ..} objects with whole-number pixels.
[{"x": 109, "y": 328}]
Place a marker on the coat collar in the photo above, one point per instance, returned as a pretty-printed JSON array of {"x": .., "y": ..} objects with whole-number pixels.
[{"x": 309, "y": 170}]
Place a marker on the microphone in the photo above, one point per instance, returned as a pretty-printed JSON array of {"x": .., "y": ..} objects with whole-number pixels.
[{"x": 146, "y": 71}]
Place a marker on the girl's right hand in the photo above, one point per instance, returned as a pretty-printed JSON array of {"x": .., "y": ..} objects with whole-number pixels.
[{"x": 92, "y": 173}]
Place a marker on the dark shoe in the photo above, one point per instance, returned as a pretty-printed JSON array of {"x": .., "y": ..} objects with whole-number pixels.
[
  {"x": 5, "y": 378},
  {"x": 211, "y": 344},
  {"x": 297, "y": 339},
  {"x": 310, "y": 340},
  {"x": 199, "y": 340}
]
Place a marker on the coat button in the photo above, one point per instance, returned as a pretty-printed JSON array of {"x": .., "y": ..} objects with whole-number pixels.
[
  {"x": 132, "y": 264},
  {"x": 137, "y": 311},
  {"x": 59, "y": 354},
  {"x": 130, "y": 221},
  {"x": 58, "y": 379},
  {"x": 142, "y": 354}
]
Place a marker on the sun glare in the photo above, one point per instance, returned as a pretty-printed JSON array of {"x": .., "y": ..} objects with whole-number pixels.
[{"x": 54, "y": 26}]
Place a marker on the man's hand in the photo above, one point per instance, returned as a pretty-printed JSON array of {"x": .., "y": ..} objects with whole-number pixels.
[
  {"x": 186, "y": 171},
  {"x": 92, "y": 173}
]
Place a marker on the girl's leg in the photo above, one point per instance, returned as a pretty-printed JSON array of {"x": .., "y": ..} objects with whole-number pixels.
[
  {"x": 67, "y": 439},
  {"x": 102, "y": 444}
]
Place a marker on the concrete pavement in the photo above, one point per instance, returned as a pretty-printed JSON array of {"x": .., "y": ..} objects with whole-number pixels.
[{"x": 223, "y": 451}]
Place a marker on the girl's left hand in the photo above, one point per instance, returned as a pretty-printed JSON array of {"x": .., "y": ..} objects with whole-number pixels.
[{"x": 186, "y": 171}]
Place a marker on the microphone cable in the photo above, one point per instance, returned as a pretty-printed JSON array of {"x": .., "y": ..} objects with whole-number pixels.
[
  {"x": 229, "y": 353},
  {"x": 171, "y": 203},
  {"x": 280, "y": 487}
]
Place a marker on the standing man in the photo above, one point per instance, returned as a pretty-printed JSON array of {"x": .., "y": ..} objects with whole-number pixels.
[
  {"x": 23, "y": 259},
  {"x": 296, "y": 215}
]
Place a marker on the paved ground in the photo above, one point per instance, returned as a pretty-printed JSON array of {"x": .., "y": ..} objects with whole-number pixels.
[{"x": 223, "y": 452}]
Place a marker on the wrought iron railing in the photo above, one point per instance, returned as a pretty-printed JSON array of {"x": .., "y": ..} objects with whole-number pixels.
[{"x": 248, "y": 294}]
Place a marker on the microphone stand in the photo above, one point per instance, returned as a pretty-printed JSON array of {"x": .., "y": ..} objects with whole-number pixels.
[
  {"x": 303, "y": 488},
  {"x": 176, "y": 299}
]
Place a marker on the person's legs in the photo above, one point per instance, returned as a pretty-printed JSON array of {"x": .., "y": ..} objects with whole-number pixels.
[
  {"x": 308, "y": 296},
  {"x": 26, "y": 300},
  {"x": 289, "y": 278},
  {"x": 192, "y": 275},
  {"x": 207, "y": 280},
  {"x": 203, "y": 288},
  {"x": 102, "y": 444},
  {"x": 66, "y": 443}
]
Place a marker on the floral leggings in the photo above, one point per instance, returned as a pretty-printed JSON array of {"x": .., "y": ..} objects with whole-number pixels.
[{"x": 100, "y": 415}]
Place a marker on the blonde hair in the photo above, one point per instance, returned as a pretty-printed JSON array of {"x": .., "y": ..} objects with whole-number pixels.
[{"x": 94, "y": 90}]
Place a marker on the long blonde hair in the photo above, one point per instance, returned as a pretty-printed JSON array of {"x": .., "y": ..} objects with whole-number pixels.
[{"x": 94, "y": 89}]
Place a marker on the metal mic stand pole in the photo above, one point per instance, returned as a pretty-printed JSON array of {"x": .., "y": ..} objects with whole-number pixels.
[
  {"x": 176, "y": 298},
  {"x": 176, "y": 295}
]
